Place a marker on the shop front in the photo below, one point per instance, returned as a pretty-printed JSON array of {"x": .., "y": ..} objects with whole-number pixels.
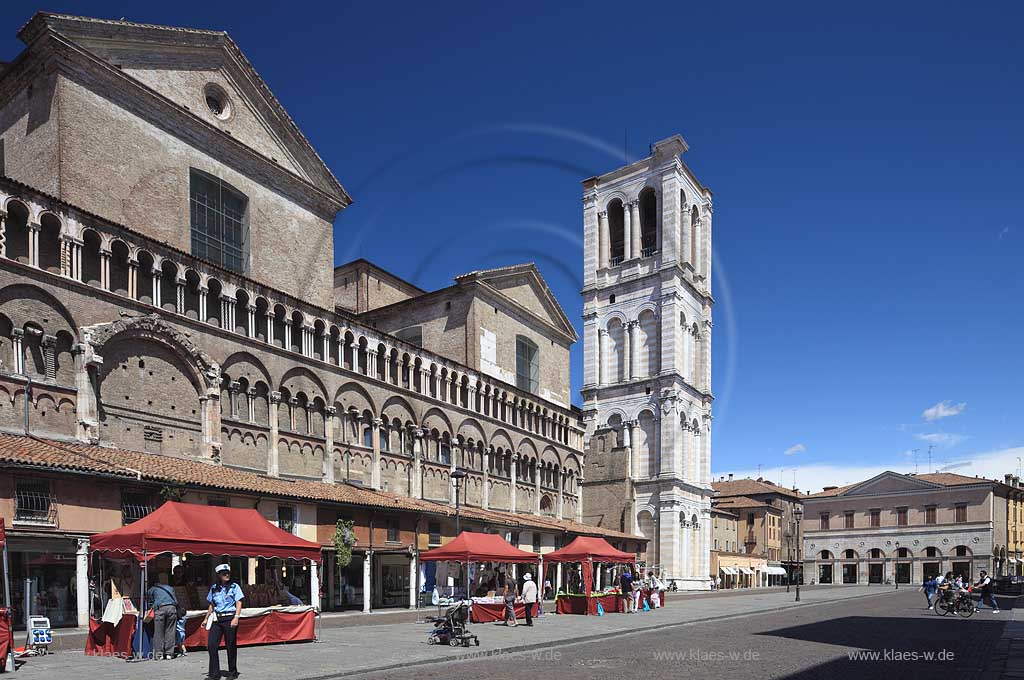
[
  {"x": 50, "y": 566},
  {"x": 391, "y": 579}
]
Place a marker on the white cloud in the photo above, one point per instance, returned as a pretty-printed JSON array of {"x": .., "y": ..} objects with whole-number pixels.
[
  {"x": 944, "y": 409},
  {"x": 1003, "y": 233},
  {"x": 812, "y": 478},
  {"x": 796, "y": 448},
  {"x": 944, "y": 439}
]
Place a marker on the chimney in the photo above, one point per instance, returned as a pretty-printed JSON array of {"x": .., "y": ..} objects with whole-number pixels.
[
  {"x": 829, "y": 488},
  {"x": 730, "y": 476}
]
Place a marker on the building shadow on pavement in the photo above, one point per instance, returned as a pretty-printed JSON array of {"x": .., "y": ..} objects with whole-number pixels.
[{"x": 928, "y": 646}]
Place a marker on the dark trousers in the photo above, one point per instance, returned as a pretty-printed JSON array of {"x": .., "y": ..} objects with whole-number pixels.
[
  {"x": 222, "y": 628},
  {"x": 164, "y": 635},
  {"x": 529, "y": 613}
]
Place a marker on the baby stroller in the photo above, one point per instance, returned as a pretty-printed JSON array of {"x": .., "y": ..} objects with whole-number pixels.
[{"x": 452, "y": 627}]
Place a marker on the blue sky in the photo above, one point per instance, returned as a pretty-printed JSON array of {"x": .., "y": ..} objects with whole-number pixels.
[{"x": 866, "y": 164}]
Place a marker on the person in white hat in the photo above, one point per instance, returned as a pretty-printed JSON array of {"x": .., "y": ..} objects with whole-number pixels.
[
  {"x": 225, "y": 598},
  {"x": 529, "y": 597}
]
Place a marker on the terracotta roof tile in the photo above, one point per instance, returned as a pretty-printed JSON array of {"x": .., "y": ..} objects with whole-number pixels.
[
  {"x": 72, "y": 456},
  {"x": 750, "y": 487}
]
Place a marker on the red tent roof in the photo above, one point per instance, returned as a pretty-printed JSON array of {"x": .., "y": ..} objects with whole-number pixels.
[
  {"x": 589, "y": 547},
  {"x": 471, "y": 546},
  {"x": 204, "y": 529}
]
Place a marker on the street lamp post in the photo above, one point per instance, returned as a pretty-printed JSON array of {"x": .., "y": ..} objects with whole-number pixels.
[
  {"x": 896, "y": 574},
  {"x": 458, "y": 474},
  {"x": 798, "y": 514},
  {"x": 789, "y": 556}
]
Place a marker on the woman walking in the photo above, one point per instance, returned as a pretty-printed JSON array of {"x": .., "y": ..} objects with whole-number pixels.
[{"x": 225, "y": 598}]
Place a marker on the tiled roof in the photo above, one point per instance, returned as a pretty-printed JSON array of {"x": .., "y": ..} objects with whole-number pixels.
[
  {"x": 77, "y": 457},
  {"x": 750, "y": 487},
  {"x": 736, "y": 502}
]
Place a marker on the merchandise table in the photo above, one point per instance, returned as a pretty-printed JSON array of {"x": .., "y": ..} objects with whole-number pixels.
[
  {"x": 579, "y": 604},
  {"x": 490, "y": 613},
  {"x": 256, "y": 626}
]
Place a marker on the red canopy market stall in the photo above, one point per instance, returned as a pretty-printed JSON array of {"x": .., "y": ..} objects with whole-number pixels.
[
  {"x": 183, "y": 528},
  {"x": 469, "y": 547},
  {"x": 588, "y": 551}
]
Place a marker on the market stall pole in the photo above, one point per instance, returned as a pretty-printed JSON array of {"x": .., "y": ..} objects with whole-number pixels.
[
  {"x": 182, "y": 528},
  {"x": 469, "y": 547},
  {"x": 587, "y": 551}
]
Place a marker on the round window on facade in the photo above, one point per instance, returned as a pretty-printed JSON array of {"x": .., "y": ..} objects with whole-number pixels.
[{"x": 217, "y": 101}]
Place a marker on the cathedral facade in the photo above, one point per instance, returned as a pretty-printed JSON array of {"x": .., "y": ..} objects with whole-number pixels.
[{"x": 167, "y": 287}]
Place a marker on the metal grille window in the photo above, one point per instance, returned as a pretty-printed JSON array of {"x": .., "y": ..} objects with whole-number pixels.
[
  {"x": 434, "y": 529},
  {"x": 34, "y": 502},
  {"x": 536, "y": 542},
  {"x": 218, "y": 221},
  {"x": 286, "y": 518},
  {"x": 135, "y": 505},
  {"x": 527, "y": 365},
  {"x": 393, "y": 535}
]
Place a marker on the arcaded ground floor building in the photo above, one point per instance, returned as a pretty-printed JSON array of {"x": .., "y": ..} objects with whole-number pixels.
[{"x": 54, "y": 495}]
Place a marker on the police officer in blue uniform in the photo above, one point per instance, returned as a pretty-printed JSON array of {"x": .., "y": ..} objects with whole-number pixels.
[{"x": 225, "y": 598}]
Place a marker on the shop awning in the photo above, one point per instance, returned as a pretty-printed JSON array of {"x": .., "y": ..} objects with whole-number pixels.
[
  {"x": 204, "y": 530},
  {"x": 729, "y": 571},
  {"x": 471, "y": 546},
  {"x": 776, "y": 571},
  {"x": 747, "y": 571},
  {"x": 585, "y": 548}
]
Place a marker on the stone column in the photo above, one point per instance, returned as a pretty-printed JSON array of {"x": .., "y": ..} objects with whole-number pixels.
[
  {"x": 536, "y": 493},
  {"x": 250, "y": 403},
  {"x": 602, "y": 240},
  {"x": 233, "y": 389},
  {"x": 33, "y": 243},
  {"x": 329, "y": 414},
  {"x": 602, "y": 357},
  {"x": 82, "y": 581},
  {"x": 627, "y": 443},
  {"x": 273, "y": 456},
  {"x": 627, "y": 233},
  {"x": 156, "y": 277},
  {"x": 367, "y": 583},
  {"x": 133, "y": 279},
  {"x": 417, "y": 461},
  {"x": 48, "y": 345},
  {"x": 684, "y": 235},
  {"x": 270, "y": 327},
  {"x": 634, "y": 459},
  {"x": 179, "y": 296},
  {"x": 325, "y": 346},
  {"x": 375, "y": 439},
  {"x": 634, "y": 210},
  {"x": 371, "y": 363},
  {"x": 705, "y": 550},
  {"x": 634, "y": 349},
  {"x": 204, "y": 292},
  {"x": 514, "y": 478},
  {"x": 561, "y": 492},
  {"x": 286, "y": 341},
  {"x": 86, "y": 407},
  {"x": 18, "y": 350},
  {"x": 105, "y": 269},
  {"x": 250, "y": 311},
  {"x": 227, "y": 313},
  {"x": 486, "y": 501}
]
